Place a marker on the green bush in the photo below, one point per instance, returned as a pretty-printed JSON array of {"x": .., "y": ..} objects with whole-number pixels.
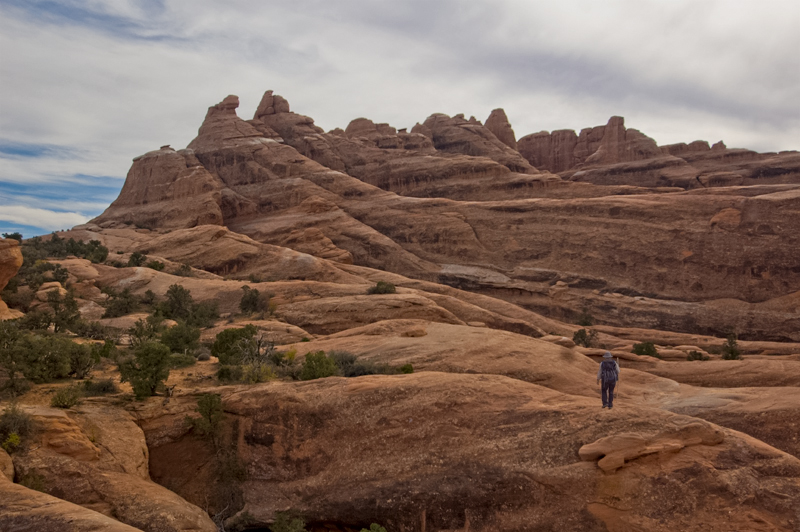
[
  {"x": 406, "y": 368},
  {"x": 146, "y": 330},
  {"x": 584, "y": 337},
  {"x": 93, "y": 330},
  {"x": 230, "y": 373},
  {"x": 209, "y": 406},
  {"x": 44, "y": 358},
  {"x": 374, "y": 527},
  {"x": 137, "y": 259},
  {"x": 101, "y": 387},
  {"x": 15, "y": 427},
  {"x": 82, "y": 358},
  {"x": 36, "y": 320},
  {"x": 14, "y": 236},
  {"x": 317, "y": 365},
  {"x": 181, "y": 338},
  {"x": 730, "y": 349},
  {"x": 382, "y": 288},
  {"x": 645, "y": 349},
  {"x": 179, "y": 305},
  {"x": 147, "y": 369},
  {"x": 203, "y": 357},
  {"x": 351, "y": 366},
  {"x": 66, "y": 397},
  {"x": 585, "y": 319},
  {"x": 229, "y": 345},
  {"x": 121, "y": 304},
  {"x": 253, "y": 301},
  {"x": 155, "y": 265},
  {"x": 184, "y": 271},
  {"x": 696, "y": 355},
  {"x": 65, "y": 310},
  {"x": 148, "y": 298}
]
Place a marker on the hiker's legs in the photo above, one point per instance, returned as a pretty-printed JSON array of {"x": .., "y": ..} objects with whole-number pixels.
[
  {"x": 604, "y": 393},
  {"x": 611, "y": 393}
]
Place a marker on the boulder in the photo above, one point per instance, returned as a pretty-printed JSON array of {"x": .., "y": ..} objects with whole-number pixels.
[{"x": 10, "y": 262}]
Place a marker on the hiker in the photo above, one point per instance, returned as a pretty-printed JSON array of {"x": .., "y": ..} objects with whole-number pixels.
[{"x": 608, "y": 373}]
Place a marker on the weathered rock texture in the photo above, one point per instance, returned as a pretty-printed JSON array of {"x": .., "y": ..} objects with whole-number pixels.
[
  {"x": 10, "y": 262},
  {"x": 693, "y": 261},
  {"x": 96, "y": 457},
  {"x": 399, "y": 450}
]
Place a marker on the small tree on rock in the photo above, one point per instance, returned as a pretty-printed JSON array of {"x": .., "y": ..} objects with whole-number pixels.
[{"x": 147, "y": 369}]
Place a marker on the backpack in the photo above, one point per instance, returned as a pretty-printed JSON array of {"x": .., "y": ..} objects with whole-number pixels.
[{"x": 608, "y": 370}]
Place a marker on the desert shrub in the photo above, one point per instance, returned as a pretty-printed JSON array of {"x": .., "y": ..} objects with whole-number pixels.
[
  {"x": 44, "y": 358},
  {"x": 65, "y": 310},
  {"x": 146, "y": 330},
  {"x": 121, "y": 304},
  {"x": 82, "y": 358},
  {"x": 147, "y": 369},
  {"x": 137, "y": 259},
  {"x": 181, "y": 338},
  {"x": 645, "y": 349},
  {"x": 230, "y": 373},
  {"x": 696, "y": 355},
  {"x": 66, "y": 397},
  {"x": 92, "y": 330},
  {"x": 209, "y": 406},
  {"x": 351, "y": 366},
  {"x": 203, "y": 357},
  {"x": 181, "y": 360},
  {"x": 148, "y": 298},
  {"x": 59, "y": 274},
  {"x": 317, "y": 365},
  {"x": 155, "y": 265},
  {"x": 584, "y": 337},
  {"x": 184, "y": 271},
  {"x": 305, "y": 339},
  {"x": 256, "y": 373},
  {"x": 288, "y": 522},
  {"x": 730, "y": 349},
  {"x": 14, "y": 236},
  {"x": 382, "y": 287},
  {"x": 229, "y": 345},
  {"x": 282, "y": 358},
  {"x": 36, "y": 320},
  {"x": 15, "y": 427},
  {"x": 406, "y": 369},
  {"x": 101, "y": 387},
  {"x": 253, "y": 301},
  {"x": 254, "y": 278},
  {"x": 204, "y": 314},
  {"x": 179, "y": 305},
  {"x": 37, "y": 248},
  {"x": 374, "y": 527}
]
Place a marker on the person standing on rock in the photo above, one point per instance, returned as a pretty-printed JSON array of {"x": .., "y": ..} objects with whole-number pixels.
[{"x": 608, "y": 374}]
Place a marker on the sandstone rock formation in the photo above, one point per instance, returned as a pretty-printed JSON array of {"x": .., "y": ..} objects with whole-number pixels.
[
  {"x": 499, "y": 125},
  {"x": 97, "y": 457},
  {"x": 10, "y": 262},
  {"x": 347, "y": 452}
]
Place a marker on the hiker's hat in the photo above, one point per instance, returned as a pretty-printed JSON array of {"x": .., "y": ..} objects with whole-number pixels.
[{"x": 608, "y": 355}]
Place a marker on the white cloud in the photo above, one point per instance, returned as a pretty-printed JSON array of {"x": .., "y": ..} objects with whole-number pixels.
[{"x": 43, "y": 218}]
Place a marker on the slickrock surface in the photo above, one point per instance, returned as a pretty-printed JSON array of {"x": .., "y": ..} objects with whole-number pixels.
[
  {"x": 500, "y": 453},
  {"x": 96, "y": 457},
  {"x": 26, "y": 510}
]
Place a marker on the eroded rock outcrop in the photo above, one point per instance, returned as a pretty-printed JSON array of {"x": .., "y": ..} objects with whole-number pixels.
[
  {"x": 10, "y": 263},
  {"x": 96, "y": 457},
  {"x": 499, "y": 125},
  {"x": 439, "y": 450}
]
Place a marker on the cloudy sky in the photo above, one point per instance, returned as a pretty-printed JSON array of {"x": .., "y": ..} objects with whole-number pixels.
[{"x": 85, "y": 86}]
